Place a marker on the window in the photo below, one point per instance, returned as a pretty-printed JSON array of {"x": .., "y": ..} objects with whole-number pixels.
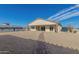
[
  {"x": 43, "y": 28},
  {"x": 51, "y": 28},
  {"x": 32, "y": 27}
]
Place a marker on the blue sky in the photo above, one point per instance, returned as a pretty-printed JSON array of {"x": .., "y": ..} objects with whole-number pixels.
[{"x": 23, "y": 14}]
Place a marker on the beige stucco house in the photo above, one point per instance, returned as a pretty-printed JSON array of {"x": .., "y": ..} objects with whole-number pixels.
[{"x": 44, "y": 25}]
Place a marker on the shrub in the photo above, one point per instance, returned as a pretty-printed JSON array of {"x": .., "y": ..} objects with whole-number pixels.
[{"x": 75, "y": 31}]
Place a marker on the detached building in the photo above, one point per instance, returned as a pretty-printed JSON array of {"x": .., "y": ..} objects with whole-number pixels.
[
  {"x": 44, "y": 25},
  {"x": 8, "y": 28}
]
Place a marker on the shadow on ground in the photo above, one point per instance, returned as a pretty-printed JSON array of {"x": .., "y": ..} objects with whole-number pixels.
[{"x": 15, "y": 45}]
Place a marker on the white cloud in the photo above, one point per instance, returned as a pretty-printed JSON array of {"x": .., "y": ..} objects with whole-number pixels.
[
  {"x": 69, "y": 16},
  {"x": 63, "y": 11},
  {"x": 64, "y": 15}
]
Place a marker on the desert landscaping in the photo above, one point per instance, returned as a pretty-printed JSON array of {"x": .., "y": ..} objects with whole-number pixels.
[{"x": 39, "y": 42}]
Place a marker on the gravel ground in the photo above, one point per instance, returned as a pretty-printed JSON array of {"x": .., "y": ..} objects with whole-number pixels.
[{"x": 29, "y": 42}]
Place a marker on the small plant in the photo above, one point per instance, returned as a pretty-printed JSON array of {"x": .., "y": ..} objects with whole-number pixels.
[
  {"x": 70, "y": 29},
  {"x": 75, "y": 31}
]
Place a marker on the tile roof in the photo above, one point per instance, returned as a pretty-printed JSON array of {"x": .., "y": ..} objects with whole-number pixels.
[{"x": 41, "y": 22}]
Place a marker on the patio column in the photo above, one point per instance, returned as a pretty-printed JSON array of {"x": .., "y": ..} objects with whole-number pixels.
[{"x": 56, "y": 28}]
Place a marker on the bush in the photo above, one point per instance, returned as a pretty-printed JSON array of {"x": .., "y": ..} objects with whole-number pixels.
[{"x": 75, "y": 31}]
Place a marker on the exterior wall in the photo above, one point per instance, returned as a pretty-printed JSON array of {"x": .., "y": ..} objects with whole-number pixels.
[
  {"x": 47, "y": 28},
  {"x": 59, "y": 28},
  {"x": 32, "y": 29},
  {"x": 53, "y": 30}
]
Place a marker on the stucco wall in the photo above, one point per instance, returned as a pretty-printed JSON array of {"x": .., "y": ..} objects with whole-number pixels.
[
  {"x": 34, "y": 29},
  {"x": 59, "y": 28},
  {"x": 47, "y": 29}
]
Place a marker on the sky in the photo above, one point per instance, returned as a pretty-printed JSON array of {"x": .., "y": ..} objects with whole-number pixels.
[{"x": 23, "y": 14}]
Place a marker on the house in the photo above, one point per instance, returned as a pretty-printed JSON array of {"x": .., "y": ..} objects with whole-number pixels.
[{"x": 44, "y": 25}]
